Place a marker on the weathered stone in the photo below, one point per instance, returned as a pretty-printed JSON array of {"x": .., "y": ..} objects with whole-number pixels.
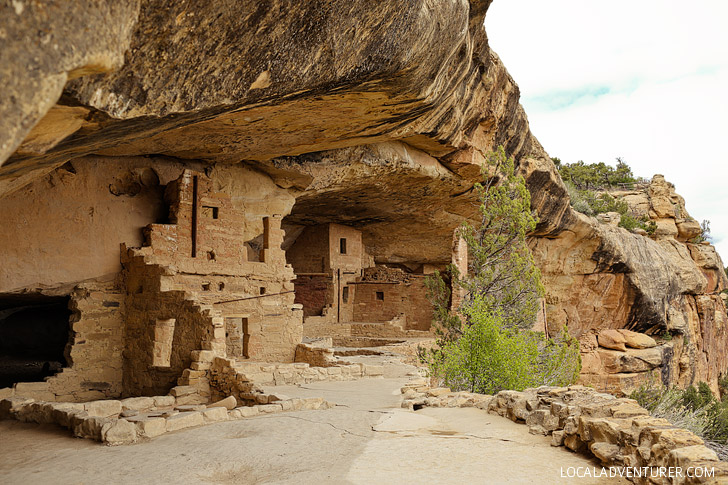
[
  {"x": 688, "y": 455},
  {"x": 149, "y": 427},
  {"x": 248, "y": 411},
  {"x": 163, "y": 401},
  {"x": 180, "y": 391},
  {"x": 438, "y": 391},
  {"x": 184, "y": 420},
  {"x": 637, "y": 340},
  {"x": 228, "y": 403},
  {"x": 89, "y": 426},
  {"x": 137, "y": 403},
  {"x": 118, "y": 432},
  {"x": 605, "y": 452},
  {"x": 103, "y": 409},
  {"x": 611, "y": 339},
  {"x": 190, "y": 407},
  {"x": 215, "y": 414},
  {"x": 270, "y": 408}
]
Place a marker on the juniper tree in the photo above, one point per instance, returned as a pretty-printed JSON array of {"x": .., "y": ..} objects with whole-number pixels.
[{"x": 486, "y": 344}]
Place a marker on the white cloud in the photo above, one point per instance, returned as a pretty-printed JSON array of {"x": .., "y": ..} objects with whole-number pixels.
[{"x": 647, "y": 81}]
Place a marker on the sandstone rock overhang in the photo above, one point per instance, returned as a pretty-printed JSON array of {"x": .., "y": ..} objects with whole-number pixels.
[{"x": 376, "y": 115}]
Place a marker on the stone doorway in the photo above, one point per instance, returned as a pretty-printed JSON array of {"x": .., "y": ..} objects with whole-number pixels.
[
  {"x": 34, "y": 333},
  {"x": 237, "y": 337}
]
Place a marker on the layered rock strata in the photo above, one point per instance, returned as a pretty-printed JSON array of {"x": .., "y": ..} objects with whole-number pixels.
[{"x": 373, "y": 115}]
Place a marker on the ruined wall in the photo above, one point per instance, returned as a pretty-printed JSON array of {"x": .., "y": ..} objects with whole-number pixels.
[
  {"x": 314, "y": 293},
  {"x": 67, "y": 226},
  {"x": 310, "y": 253},
  {"x": 194, "y": 274},
  {"x": 382, "y": 302}
]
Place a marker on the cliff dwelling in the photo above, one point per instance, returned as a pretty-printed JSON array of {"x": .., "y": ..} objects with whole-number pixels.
[{"x": 205, "y": 202}]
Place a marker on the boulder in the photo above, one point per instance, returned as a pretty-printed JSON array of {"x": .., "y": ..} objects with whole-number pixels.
[
  {"x": 611, "y": 339},
  {"x": 637, "y": 340}
]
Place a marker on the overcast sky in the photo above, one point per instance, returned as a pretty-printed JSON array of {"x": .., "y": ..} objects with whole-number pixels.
[{"x": 646, "y": 80}]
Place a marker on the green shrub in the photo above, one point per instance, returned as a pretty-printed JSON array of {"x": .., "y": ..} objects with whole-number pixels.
[
  {"x": 695, "y": 409},
  {"x": 490, "y": 357},
  {"x": 596, "y": 175},
  {"x": 487, "y": 344},
  {"x": 592, "y": 203}
]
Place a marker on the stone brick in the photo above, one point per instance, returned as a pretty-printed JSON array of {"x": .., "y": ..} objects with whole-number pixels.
[
  {"x": 163, "y": 401},
  {"x": 248, "y": 411},
  {"x": 7, "y": 392},
  {"x": 215, "y": 414},
  {"x": 312, "y": 403},
  {"x": 149, "y": 427},
  {"x": 190, "y": 399},
  {"x": 269, "y": 408},
  {"x": 89, "y": 426},
  {"x": 228, "y": 403},
  {"x": 184, "y": 420},
  {"x": 103, "y": 408},
  {"x": 137, "y": 403},
  {"x": 118, "y": 432}
]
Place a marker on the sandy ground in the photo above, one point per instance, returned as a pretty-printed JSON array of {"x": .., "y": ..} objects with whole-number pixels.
[{"x": 366, "y": 439}]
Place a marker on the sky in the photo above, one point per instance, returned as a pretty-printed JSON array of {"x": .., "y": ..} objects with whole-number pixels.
[{"x": 645, "y": 80}]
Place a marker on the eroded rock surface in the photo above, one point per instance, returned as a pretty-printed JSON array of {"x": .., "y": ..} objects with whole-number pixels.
[{"x": 376, "y": 115}]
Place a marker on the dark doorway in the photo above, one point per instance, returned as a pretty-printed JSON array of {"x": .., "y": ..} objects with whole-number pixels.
[{"x": 34, "y": 332}]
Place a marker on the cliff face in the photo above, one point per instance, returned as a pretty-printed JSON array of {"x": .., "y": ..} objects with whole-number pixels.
[{"x": 375, "y": 115}]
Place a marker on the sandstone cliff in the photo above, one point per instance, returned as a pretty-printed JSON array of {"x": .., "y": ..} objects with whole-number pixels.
[{"x": 375, "y": 115}]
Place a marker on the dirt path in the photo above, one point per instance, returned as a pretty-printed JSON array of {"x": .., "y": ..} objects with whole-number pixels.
[{"x": 366, "y": 439}]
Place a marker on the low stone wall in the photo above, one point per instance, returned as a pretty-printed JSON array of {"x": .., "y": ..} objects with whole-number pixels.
[
  {"x": 316, "y": 356},
  {"x": 228, "y": 376},
  {"x": 129, "y": 420},
  {"x": 617, "y": 431}
]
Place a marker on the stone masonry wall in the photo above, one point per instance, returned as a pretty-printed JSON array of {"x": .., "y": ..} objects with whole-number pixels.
[
  {"x": 94, "y": 351},
  {"x": 195, "y": 271}
]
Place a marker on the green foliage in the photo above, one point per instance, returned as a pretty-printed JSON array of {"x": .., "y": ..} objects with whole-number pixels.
[
  {"x": 704, "y": 233},
  {"x": 489, "y": 357},
  {"x": 592, "y": 203},
  {"x": 695, "y": 409},
  {"x": 596, "y": 175},
  {"x": 501, "y": 270},
  {"x": 487, "y": 345}
]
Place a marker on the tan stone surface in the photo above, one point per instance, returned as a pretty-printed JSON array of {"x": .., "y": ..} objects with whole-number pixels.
[
  {"x": 337, "y": 445},
  {"x": 637, "y": 340},
  {"x": 611, "y": 339}
]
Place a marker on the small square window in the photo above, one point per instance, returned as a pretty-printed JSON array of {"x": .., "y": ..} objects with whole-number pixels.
[
  {"x": 210, "y": 211},
  {"x": 380, "y": 295},
  {"x": 262, "y": 290},
  {"x": 342, "y": 245}
]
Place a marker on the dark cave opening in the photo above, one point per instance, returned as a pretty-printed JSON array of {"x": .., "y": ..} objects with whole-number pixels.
[{"x": 34, "y": 332}]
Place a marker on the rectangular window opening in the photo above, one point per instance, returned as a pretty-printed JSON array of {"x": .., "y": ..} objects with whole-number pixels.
[
  {"x": 210, "y": 212},
  {"x": 380, "y": 295},
  {"x": 342, "y": 245},
  {"x": 345, "y": 294}
]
